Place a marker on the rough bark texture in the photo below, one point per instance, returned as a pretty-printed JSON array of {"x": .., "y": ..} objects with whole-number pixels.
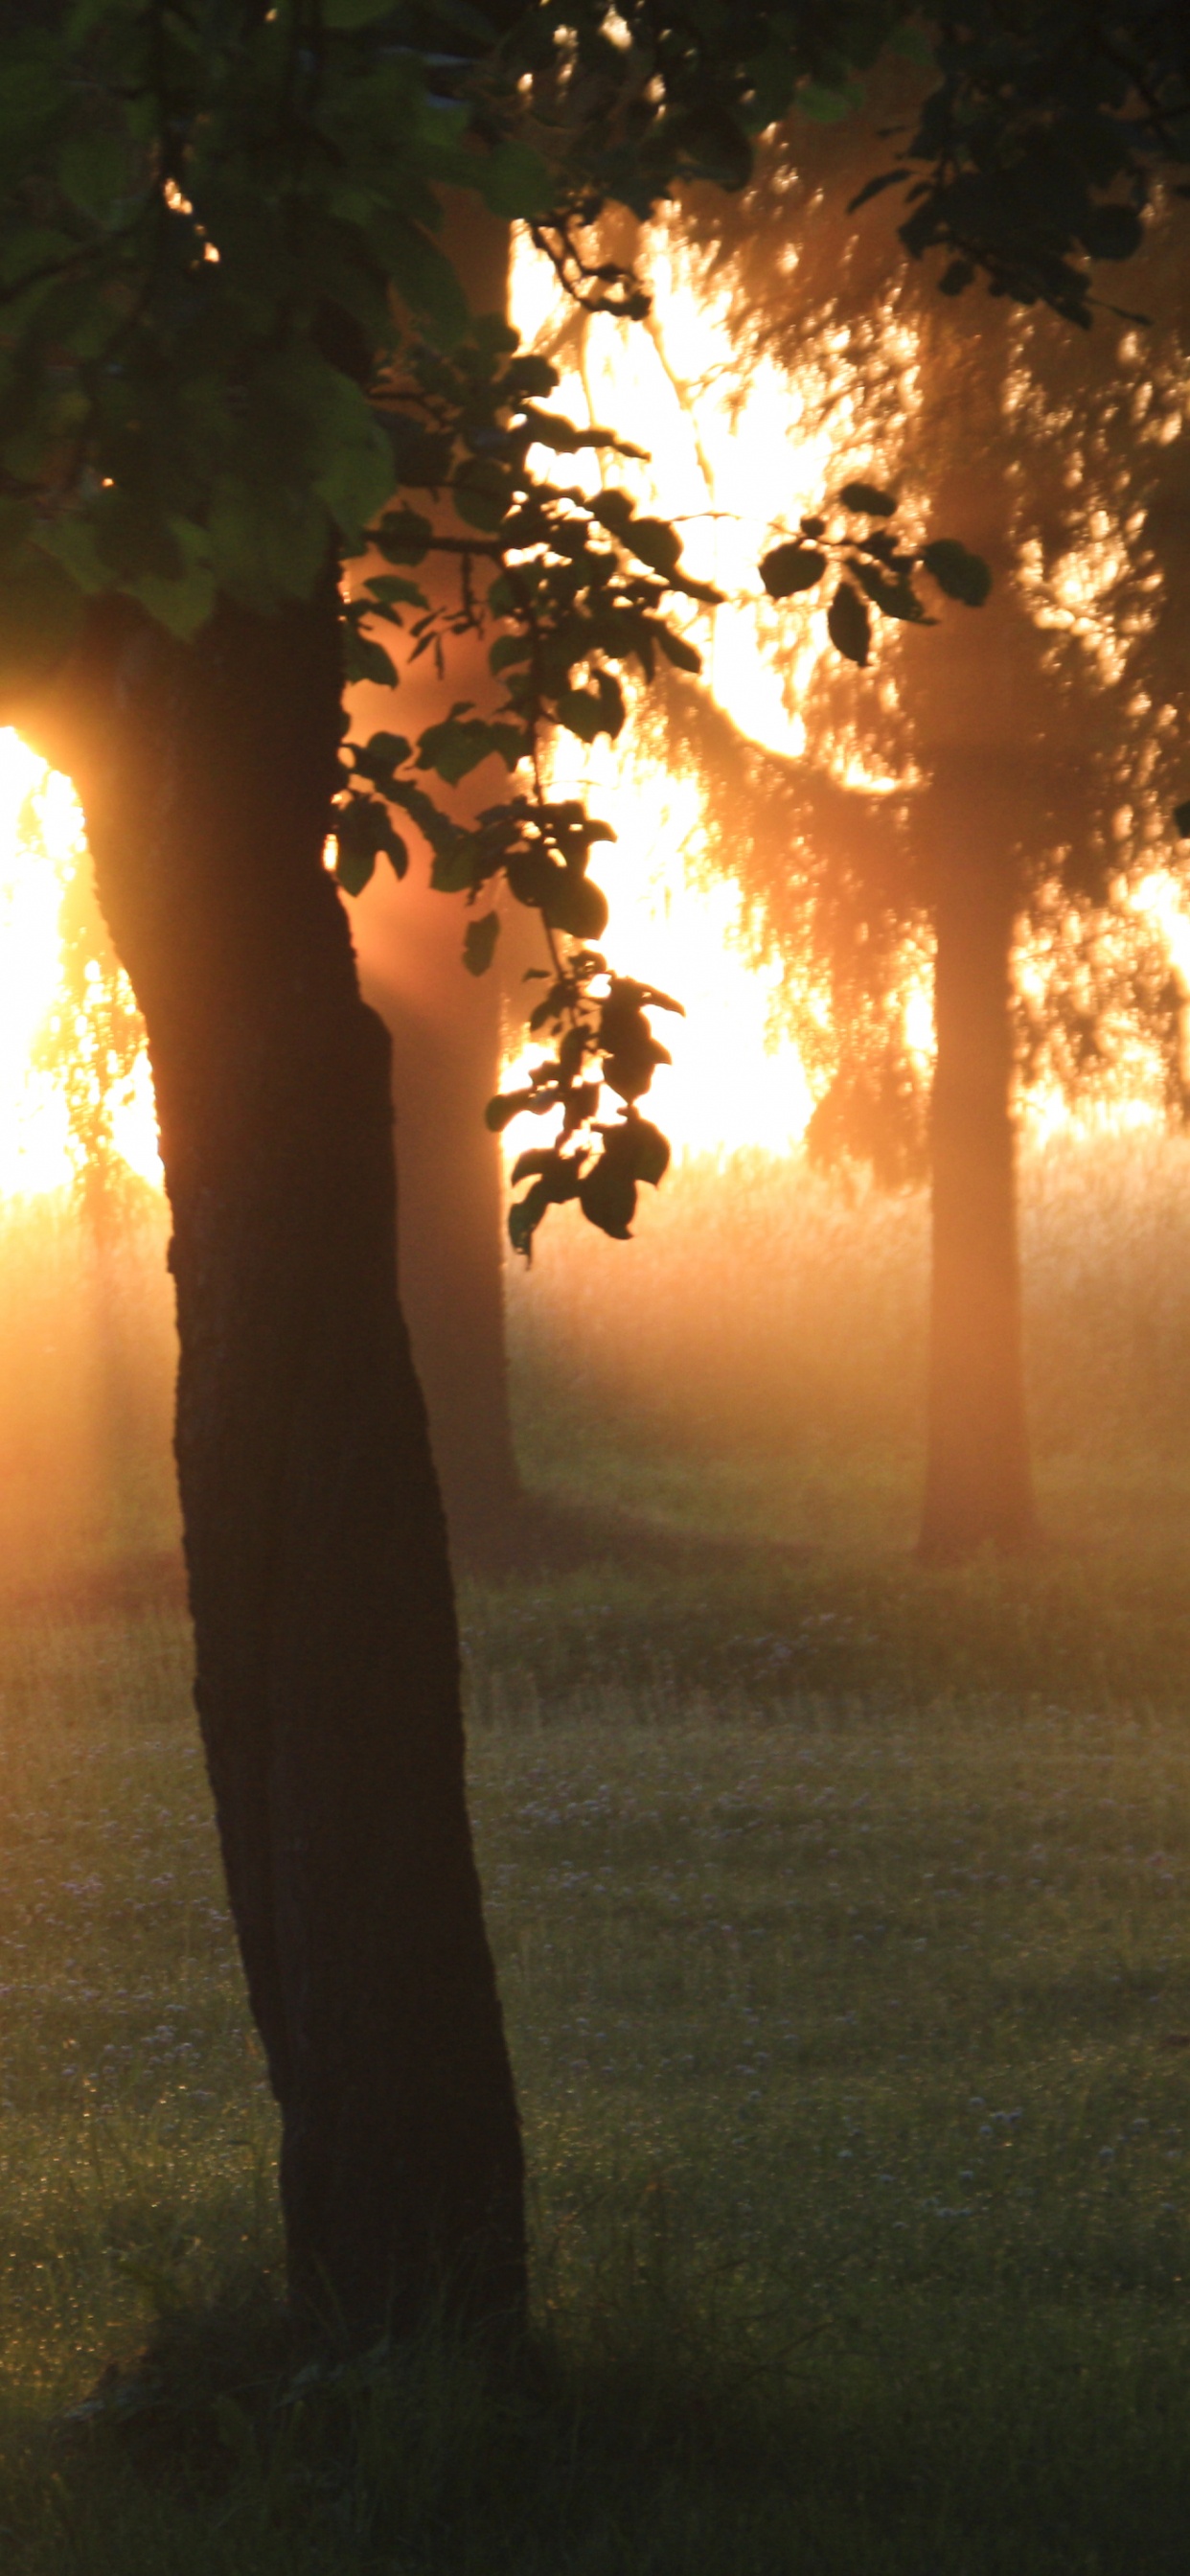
[
  {"x": 978, "y": 1480},
  {"x": 327, "y": 1662}
]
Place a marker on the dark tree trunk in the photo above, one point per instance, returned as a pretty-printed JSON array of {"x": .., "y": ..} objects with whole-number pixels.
[
  {"x": 327, "y": 1662},
  {"x": 978, "y": 1477}
]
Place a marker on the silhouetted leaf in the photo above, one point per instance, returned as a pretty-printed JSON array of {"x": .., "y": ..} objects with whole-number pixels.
[
  {"x": 790, "y": 568},
  {"x": 607, "y": 1196},
  {"x": 849, "y": 625},
  {"x": 959, "y": 573},
  {"x": 1181, "y": 816},
  {"x": 479, "y": 943},
  {"x": 868, "y": 498},
  {"x": 893, "y": 595},
  {"x": 455, "y": 747}
]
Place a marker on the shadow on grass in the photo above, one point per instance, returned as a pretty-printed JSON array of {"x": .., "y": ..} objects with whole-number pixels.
[
  {"x": 637, "y": 2433},
  {"x": 548, "y": 1535}
]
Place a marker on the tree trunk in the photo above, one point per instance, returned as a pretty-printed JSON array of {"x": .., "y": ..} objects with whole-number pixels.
[
  {"x": 978, "y": 1478},
  {"x": 327, "y": 1661}
]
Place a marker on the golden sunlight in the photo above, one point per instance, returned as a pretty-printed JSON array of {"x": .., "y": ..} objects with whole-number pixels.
[{"x": 54, "y": 1062}]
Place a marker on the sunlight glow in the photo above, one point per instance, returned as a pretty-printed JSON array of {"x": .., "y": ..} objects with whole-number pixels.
[{"x": 42, "y": 849}]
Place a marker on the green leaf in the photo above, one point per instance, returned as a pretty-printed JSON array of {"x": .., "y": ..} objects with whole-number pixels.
[
  {"x": 868, "y": 498},
  {"x": 790, "y": 568},
  {"x": 828, "y": 106},
  {"x": 587, "y": 713},
  {"x": 362, "y": 829},
  {"x": 960, "y": 574},
  {"x": 93, "y": 170},
  {"x": 184, "y": 603},
  {"x": 849, "y": 625},
  {"x": 456, "y": 746},
  {"x": 514, "y": 181},
  {"x": 479, "y": 943},
  {"x": 365, "y": 659}
]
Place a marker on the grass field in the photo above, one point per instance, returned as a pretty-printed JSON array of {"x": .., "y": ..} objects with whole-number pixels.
[{"x": 840, "y": 1911}]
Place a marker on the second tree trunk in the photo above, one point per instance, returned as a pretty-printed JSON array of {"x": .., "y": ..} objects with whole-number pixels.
[{"x": 978, "y": 1479}]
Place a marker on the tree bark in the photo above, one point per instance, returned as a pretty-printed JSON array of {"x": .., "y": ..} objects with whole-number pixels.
[
  {"x": 978, "y": 1477},
  {"x": 327, "y": 1660}
]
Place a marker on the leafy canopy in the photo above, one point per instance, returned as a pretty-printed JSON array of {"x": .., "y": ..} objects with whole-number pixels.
[{"x": 231, "y": 344}]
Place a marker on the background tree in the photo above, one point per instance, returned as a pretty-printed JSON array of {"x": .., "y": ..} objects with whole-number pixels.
[{"x": 1006, "y": 753}]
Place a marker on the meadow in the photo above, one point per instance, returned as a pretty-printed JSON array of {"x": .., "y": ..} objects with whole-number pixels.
[{"x": 840, "y": 1914}]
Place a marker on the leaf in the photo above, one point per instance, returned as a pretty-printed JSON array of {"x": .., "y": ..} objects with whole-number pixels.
[
  {"x": 365, "y": 659},
  {"x": 960, "y": 574},
  {"x": 650, "y": 1149},
  {"x": 790, "y": 568},
  {"x": 93, "y": 170},
  {"x": 574, "y": 904},
  {"x": 654, "y": 543},
  {"x": 827, "y": 106},
  {"x": 508, "y": 1105},
  {"x": 607, "y": 1196},
  {"x": 362, "y": 828},
  {"x": 515, "y": 181},
  {"x": 379, "y": 757},
  {"x": 458, "y": 745},
  {"x": 584, "y": 713},
  {"x": 676, "y": 648},
  {"x": 868, "y": 498},
  {"x": 479, "y": 943},
  {"x": 894, "y": 597},
  {"x": 1110, "y": 231},
  {"x": 1181, "y": 817},
  {"x": 849, "y": 625}
]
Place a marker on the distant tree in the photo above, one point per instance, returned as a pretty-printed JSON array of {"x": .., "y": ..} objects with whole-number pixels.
[{"x": 1011, "y": 750}]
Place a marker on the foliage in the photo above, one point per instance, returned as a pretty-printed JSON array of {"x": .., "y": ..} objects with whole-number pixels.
[
  {"x": 876, "y": 571},
  {"x": 228, "y": 334}
]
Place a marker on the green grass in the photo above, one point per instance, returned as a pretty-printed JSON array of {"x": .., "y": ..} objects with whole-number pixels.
[
  {"x": 840, "y": 1913},
  {"x": 847, "y": 2015}
]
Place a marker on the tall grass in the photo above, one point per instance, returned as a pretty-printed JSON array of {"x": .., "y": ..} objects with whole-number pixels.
[
  {"x": 86, "y": 1367},
  {"x": 765, "y": 1312},
  {"x": 852, "y": 2050}
]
